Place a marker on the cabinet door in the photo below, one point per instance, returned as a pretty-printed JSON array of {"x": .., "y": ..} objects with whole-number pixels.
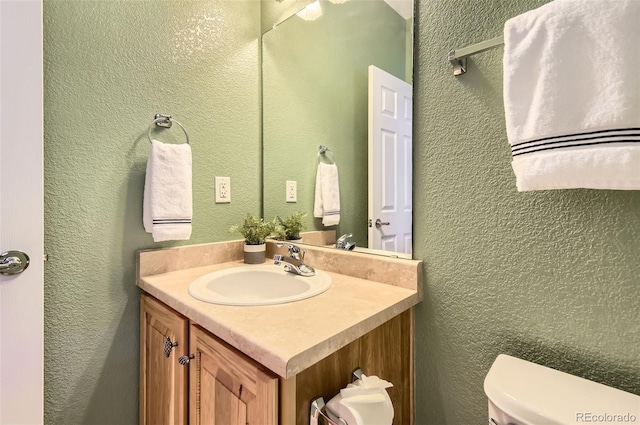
[
  {"x": 163, "y": 381},
  {"x": 226, "y": 387}
]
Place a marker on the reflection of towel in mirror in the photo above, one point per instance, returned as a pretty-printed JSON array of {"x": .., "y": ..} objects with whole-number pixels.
[
  {"x": 167, "y": 207},
  {"x": 327, "y": 201}
]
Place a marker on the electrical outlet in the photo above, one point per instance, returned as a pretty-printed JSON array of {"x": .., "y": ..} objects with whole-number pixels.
[
  {"x": 292, "y": 191},
  {"x": 223, "y": 190}
]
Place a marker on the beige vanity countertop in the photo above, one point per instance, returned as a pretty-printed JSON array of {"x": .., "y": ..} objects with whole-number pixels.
[{"x": 287, "y": 338}]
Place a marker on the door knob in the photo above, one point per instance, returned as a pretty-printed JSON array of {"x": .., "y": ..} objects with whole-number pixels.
[
  {"x": 379, "y": 223},
  {"x": 13, "y": 262}
]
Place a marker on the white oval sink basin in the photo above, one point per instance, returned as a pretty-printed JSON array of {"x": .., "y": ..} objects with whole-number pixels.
[{"x": 257, "y": 285}]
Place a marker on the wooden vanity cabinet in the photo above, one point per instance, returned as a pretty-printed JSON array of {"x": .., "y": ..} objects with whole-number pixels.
[
  {"x": 163, "y": 381},
  {"x": 218, "y": 386},
  {"x": 226, "y": 387},
  {"x": 222, "y": 386}
]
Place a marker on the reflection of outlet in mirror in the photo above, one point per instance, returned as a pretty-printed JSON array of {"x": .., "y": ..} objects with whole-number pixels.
[
  {"x": 223, "y": 190},
  {"x": 292, "y": 191}
]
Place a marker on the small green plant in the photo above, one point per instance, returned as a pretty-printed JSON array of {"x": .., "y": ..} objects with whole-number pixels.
[
  {"x": 289, "y": 228},
  {"x": 254, "y": 230}
]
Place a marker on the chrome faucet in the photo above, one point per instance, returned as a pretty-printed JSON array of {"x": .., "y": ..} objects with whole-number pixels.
[
  {"x": 343, "y": 243},
  {"x": 294, "y": 262}
]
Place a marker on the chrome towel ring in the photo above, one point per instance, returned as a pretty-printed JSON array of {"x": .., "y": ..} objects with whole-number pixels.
[
  {"x": 323, "y": 150},
  {"x": 165, "y": 121}
]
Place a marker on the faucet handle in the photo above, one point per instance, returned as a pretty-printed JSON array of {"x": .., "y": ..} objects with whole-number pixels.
[
  {"x": 345, "y": 237},
  {"x": 294, "y": 251},
  {"x": 277, "y": 259},
  {"x": 343, "y": 242}
]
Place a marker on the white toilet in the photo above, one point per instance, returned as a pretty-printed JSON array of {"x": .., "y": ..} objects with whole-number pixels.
[{"x": 525, "y": 393}]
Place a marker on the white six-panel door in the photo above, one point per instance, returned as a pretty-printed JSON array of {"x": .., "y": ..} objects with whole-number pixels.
[
  {"x": 21, "y": 211},
  {"x": 390, "y": 162}
]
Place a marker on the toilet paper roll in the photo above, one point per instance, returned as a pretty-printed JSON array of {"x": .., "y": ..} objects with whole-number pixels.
[{"x": 359, "y": 404}]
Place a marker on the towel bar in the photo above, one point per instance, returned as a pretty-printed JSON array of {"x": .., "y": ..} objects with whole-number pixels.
[
  {"x": 458, "y": 58},
  {"x": 165, "y": 121}
]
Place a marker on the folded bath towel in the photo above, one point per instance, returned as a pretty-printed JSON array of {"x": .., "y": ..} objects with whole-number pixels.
[
  {"x": 572, "y": 95},
  {"x": 167, "y": 207},
  {"x": 327, "y": 199}
]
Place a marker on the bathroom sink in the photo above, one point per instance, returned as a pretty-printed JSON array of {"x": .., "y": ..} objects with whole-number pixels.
[{"x": 257, "y": 285}]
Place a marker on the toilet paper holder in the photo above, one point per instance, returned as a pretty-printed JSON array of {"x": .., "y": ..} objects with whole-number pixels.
[
  {"x": 316, "y": 412},
  {"x": 318, "y": 404}
]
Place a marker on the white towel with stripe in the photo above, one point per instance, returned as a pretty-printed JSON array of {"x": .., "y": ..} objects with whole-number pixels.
[
  {"x": 167, "y": 207},
  {"x": 327, "y": 196},
  {"x": 572, "y": 95}
]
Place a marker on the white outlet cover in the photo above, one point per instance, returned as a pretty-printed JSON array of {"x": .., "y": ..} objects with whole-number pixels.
[
  {"x": 291, "y": 191},
  {"x": 223, "y": 190}
]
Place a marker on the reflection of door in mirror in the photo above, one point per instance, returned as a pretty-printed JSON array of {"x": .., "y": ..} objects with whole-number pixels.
[
  {"x": 315, "y": 92},
  {"x": 390, "y": 167}
]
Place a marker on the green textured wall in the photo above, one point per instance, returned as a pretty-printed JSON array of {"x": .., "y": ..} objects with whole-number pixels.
[
  {"x": 552, "y": 277},
  {"x": 109, "y": 67},
  {"x": 315, "y": 85}
]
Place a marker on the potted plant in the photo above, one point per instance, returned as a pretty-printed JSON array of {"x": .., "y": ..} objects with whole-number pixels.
[
  {"x": 289, "y": 229},
  {"x": 254, "y": 230}
]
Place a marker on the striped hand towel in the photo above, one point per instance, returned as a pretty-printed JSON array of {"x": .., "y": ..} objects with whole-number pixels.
[
  {"x": 167, "y": 207},
  {"x": 327, "y": 199}
]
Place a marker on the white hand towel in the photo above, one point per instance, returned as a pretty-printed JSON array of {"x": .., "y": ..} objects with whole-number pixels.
[
  {"x": 167, "y": 208},
  {"x": 327, "y": 199},
  {"x": 572, "y": 95}
]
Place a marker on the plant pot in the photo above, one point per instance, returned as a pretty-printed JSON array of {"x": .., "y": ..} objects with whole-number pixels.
[
  {"x": 293, "y": 240},
  {"x": 255, "y": 254}
]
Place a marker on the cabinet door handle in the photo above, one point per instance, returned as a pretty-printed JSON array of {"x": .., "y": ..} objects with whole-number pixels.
[
  {"x": 183, "y": 360},
  {"x": 168, "y": 346}
]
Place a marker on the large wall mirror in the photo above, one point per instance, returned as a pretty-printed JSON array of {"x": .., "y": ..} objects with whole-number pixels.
[{"x": 318, "y": 67}]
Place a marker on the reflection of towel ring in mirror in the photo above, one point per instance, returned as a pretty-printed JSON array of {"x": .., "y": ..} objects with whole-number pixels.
[
  {"x": 323, "y": 150},
  {"x": 165, "y": 121}
]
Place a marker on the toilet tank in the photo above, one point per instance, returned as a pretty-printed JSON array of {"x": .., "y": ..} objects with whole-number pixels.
[{"x": 525, "y": 393}]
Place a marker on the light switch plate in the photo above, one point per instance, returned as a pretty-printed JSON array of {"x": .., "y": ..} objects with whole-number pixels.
[{"x": 223, "y": 190}]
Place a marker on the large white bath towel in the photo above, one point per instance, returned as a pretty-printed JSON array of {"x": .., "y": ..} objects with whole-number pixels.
[
  {"x": 167, "y": 207},
  {"x": 572, "y": 95}
]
